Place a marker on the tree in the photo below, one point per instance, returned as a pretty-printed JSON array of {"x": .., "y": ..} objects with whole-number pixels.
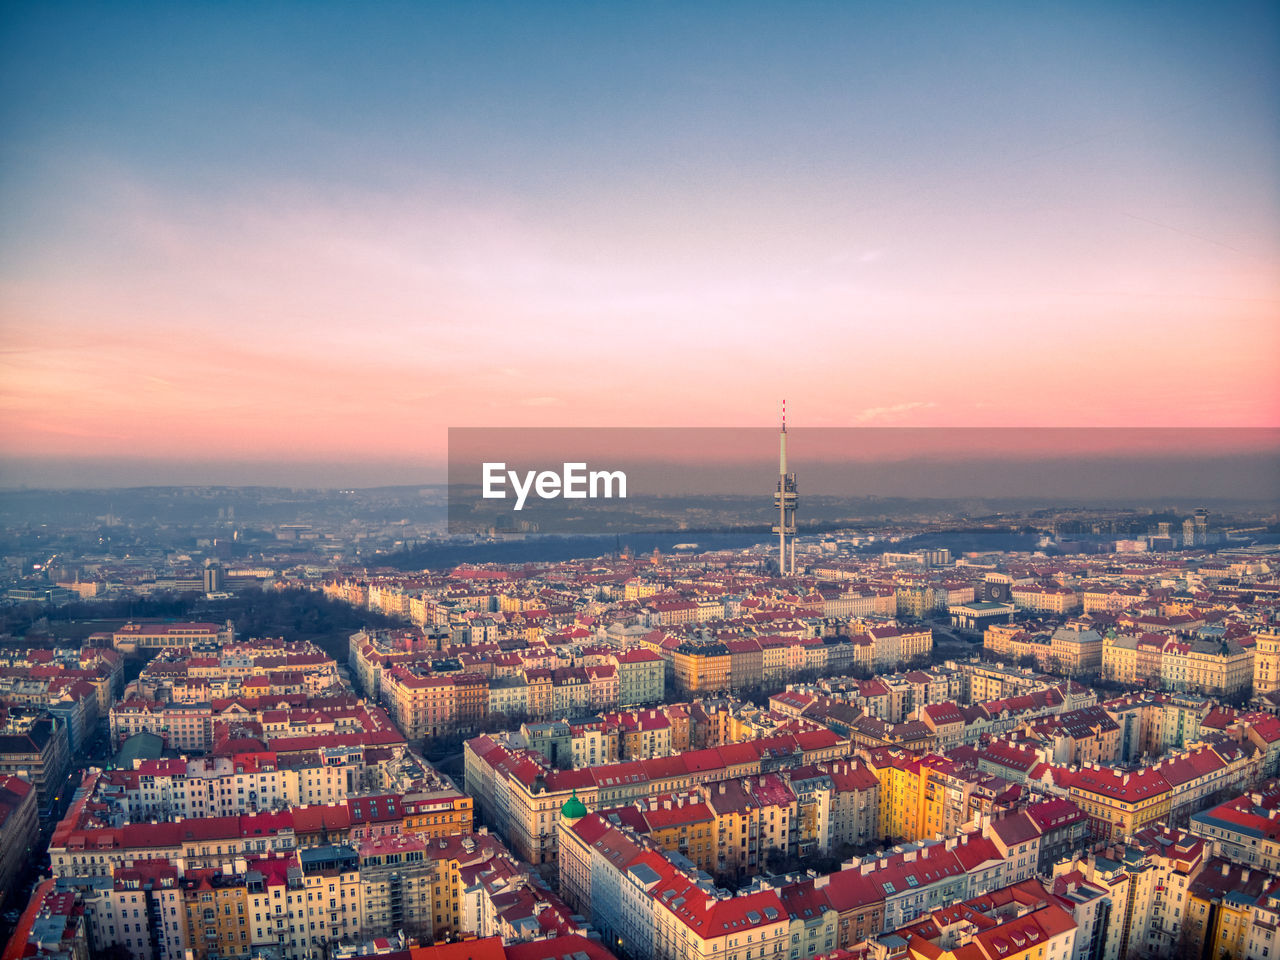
[{"x": 776, "y": 860}]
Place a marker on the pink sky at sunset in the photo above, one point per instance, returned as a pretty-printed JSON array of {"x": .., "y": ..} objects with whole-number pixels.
[
  {"x": 1087, "y": 272},
  {"x": 248, "y": 332}
]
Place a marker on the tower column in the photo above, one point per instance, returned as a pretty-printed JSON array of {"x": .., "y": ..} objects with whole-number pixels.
[{"x": 786, "y": 499}]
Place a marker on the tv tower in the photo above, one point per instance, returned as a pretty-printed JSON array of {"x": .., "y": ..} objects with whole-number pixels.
[{"x": 786, "y": 499}]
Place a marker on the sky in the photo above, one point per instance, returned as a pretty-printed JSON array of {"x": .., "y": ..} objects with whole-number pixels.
[{"x": 290, "y": 239}]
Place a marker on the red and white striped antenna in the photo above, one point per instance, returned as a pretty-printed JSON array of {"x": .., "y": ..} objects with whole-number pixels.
[{"x": 784, "y": 416}]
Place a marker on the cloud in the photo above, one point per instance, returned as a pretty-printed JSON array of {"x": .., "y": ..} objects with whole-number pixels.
[{"x": 895, "y": 412}]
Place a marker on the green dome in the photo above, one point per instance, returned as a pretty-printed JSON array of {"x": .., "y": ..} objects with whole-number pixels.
[{"x": 573, "y": 809}]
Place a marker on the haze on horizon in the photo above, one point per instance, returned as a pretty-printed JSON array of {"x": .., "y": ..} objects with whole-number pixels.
[
  {"x": 1136, "y": 467},
  {"x": 306, "y": 238}
]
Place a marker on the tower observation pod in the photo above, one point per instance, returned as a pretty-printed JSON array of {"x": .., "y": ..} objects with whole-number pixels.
[{"x": 786, "y": 499}]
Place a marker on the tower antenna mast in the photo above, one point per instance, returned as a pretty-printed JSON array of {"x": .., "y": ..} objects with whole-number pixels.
[{"x": 786, "y": 499}]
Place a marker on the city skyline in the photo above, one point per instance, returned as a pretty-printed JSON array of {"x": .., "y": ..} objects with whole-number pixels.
[{"x": 307, "y": 238}]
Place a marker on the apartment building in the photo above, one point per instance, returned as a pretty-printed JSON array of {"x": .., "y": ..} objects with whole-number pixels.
[
  {"x": 521, "y": 795},
  {"x": 133, "y": 637}
]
